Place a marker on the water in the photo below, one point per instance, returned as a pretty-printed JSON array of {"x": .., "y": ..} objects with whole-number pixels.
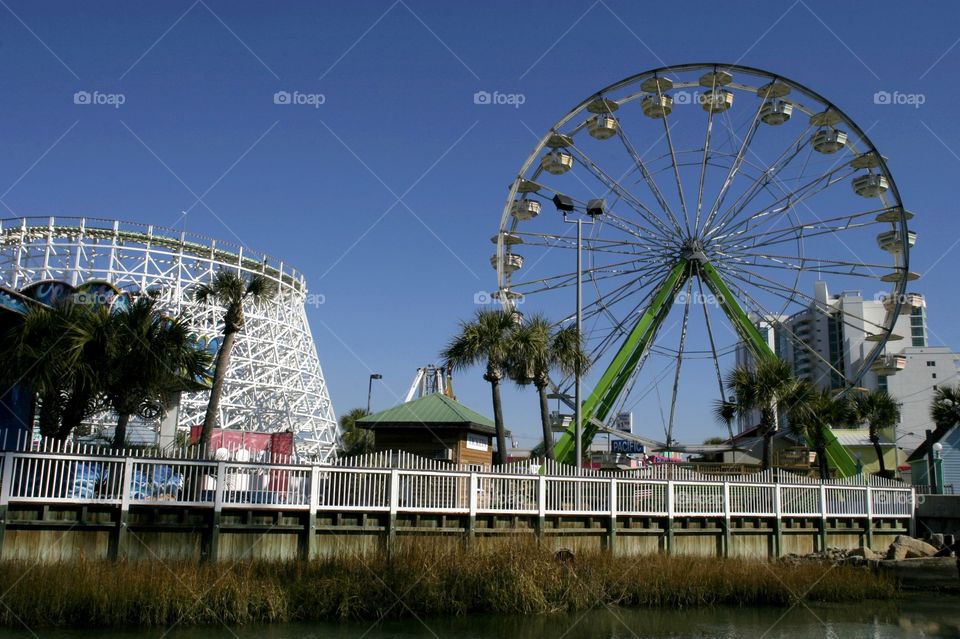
[{"x": 926, "y": 615}]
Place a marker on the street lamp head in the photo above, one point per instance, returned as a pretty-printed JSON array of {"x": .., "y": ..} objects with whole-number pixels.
[
  {"x": 596, "y": 207},
  {"x": 563, "y": 203},
  {"x": 376, "y": 376},
  {"x": 937, "y": 447}
]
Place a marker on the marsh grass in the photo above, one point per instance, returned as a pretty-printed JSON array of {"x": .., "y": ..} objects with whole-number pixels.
[{"x": 422, "y": 578}]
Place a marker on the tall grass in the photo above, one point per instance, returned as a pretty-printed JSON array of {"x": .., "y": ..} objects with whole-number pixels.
[{"x": 417, "y": 578}]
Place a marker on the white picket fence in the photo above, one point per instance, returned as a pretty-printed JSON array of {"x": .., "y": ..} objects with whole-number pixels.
[{"x": 52, "y": 478}]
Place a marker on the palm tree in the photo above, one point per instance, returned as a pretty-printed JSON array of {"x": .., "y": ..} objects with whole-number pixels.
[
  {"x": 42, "y": 352},
  {"x": 229, "y": 290},
  {"x": 880, "y": 411},
  {"x": 537, "y": 350},
  {"x": 356, "y": 441},
  {"x": 489, "y": 340},
  {"x": 148, "y": 358},
  {"x": 764, "y": 388},
  {"x": 810, "y": 410},
  {"x": 945, "y": 406}
]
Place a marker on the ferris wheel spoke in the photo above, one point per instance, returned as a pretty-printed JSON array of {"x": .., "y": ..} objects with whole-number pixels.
[
  {"x": 679, "y": 362},
  {"x": 703, "y": 164},
  {"x": 648, "y": 178},
  {"x": 804, "y": 263},
  {"x": 676, "y": 168},
  {"x": 738, "y": 160},
  {"x": 790, "y": 294},
  {"x": 773, "y": 319},
  {"x": 624, "y": 225},
  {"x": 555, "y": 282},
  {"x": 820, "y": 266},
  {"x": 607, "y": 300},
  {"x": 755, "y": 233},
  {"x": 614, "y": 185},
  {"x": 793, "y": 198},
  {"x": 765, "y": 178},
  {"x": 598, "y": 245},
  {"x": 713, "y": 349}
]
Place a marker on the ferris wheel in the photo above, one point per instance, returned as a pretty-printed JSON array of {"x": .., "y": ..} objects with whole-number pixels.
[{"x": 720, "y": 201}]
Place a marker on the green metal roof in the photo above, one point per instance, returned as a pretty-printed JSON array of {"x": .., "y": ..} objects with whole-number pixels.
[{"x": 433, "y": 410}]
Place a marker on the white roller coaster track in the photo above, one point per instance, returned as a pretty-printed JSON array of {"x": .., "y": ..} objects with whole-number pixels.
[{"x": 275, "y": 382}]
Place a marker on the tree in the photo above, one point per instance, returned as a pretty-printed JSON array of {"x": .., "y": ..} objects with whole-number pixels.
[
  {"x": 811, "y": 410},
  {"x": 230, "y": 291},
  {"x": 879, "y": 411},
  {"x": 45, "y": 353},
  {"x": 764, "y": 388},
  {"x": 148, "y": 357},
  {"x": 356, "y": 441},
  {"x": 538, "y": 350},
  {"x": 487, "y": 340},
  {"x": 945, "y": 406}
]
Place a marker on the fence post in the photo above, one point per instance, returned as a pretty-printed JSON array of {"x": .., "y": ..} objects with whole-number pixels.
[
  {"x": 726, "y": 519},
  {"x": 541, "y": 505},
  {"x": 6, "y": 486},
  {"x": 823, "y": 517},
  {"x": 472, "y": 505},
  {"x": 869, "y": 527},
  {"x": 117, "y": 544},
  {"x": 308, "y": 543},
  {"x": 612, "y": 525},
  {"x": 777, "y": 520},
  {"x": 213, "y": 534},
  {"x": 912, "y": 522},
  {"x": 668, "y": 540},
  {"x": 394, "y": 507}
]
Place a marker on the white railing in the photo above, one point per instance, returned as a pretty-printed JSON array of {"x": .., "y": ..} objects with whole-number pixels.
[{"x": 32, "y": 477}]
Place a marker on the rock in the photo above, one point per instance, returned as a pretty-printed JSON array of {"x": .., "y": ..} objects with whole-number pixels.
[
  {"x": 904, "y": 547},
  {"x": 866, "y": 553}
]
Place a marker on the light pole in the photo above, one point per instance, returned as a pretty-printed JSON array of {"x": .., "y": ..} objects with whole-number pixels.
[
  {"x": 373, "y": 376},
  {"x": 565, "y": 205}
]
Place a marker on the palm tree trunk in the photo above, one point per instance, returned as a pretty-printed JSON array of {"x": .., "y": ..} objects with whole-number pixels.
[
  {"x": 120, "y": 434},
  {"x": 876, "y": 447},
  {"x": 545, "y": 423},
  {"x": 822, "y": 464},
  {"x": 767, "y": 449},
  {"x": 219, "y": 375},
  {"x": 498, "y": 422}
]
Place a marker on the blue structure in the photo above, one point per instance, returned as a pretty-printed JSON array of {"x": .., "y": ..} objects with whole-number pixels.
[{"x": 944, "y": 463}]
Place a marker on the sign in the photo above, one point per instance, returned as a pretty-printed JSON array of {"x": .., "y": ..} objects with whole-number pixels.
[
  {"x": 477, "y": 442},
  {"x": 623, "y": 422},
  {"x": 626, "y": 446}
]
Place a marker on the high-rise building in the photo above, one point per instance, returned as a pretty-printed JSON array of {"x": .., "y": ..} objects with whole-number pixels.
[{"x": 829, "y": 340}]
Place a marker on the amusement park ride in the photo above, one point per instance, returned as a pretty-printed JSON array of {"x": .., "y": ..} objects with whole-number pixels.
[{"x": 719, "y": 186}]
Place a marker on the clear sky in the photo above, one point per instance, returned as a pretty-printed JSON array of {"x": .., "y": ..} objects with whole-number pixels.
[{"x": 385, "y": 183}]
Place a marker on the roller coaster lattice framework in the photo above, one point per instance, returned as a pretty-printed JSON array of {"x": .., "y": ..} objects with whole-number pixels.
[{"x": 275, "y": 382}]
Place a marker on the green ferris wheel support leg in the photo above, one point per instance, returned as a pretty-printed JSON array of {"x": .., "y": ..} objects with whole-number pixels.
[
  {"x": 837, "y": 455},
  {"x": 618, "y": 372}
]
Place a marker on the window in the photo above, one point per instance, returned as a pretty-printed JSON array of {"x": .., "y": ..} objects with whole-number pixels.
[
  {"x": 934, "y": 375},
  {"x": 929, "y": 363}
]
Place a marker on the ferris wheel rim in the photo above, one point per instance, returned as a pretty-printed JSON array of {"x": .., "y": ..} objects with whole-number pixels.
[{"x": 823, "y": 114}]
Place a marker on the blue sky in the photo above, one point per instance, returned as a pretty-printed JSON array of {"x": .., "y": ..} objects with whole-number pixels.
[{"x": 386, "y": 194}]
